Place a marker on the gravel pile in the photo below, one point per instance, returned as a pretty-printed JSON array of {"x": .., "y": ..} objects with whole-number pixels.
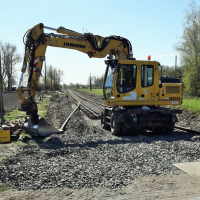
[
  {"x": 189, "y": 120},
  {"x": 87, "y": 156}
]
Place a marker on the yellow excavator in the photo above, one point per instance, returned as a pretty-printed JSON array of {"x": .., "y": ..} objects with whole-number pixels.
[{"x": 132, "y": 89}]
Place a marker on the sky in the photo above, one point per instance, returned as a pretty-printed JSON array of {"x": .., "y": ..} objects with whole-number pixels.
[{"x": 153, "y": 27}]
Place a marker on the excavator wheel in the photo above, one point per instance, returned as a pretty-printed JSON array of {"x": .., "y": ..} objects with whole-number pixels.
[
  {"x": 115, "y": 127},
  {"x": 128, "y": 131},
  {"x": 166, "y": 130},
  {"x": 170, "y": 129},
  {"x": 104, "y": 125}
]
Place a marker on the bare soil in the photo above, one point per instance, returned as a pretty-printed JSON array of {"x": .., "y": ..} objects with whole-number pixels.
[{"x": 11, "y": 100}]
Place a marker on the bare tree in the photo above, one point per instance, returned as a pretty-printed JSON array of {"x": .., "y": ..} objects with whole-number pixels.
[
  {"x": 50, "y": 74},
  {"x": 10, "y": 58},
  {"x": 55, "y": 77}
]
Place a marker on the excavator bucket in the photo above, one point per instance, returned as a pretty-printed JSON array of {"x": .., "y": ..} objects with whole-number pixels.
[{"x": 42, "y": 129}]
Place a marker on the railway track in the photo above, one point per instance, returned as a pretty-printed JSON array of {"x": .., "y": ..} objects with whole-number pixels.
[{"x": 93, "y": 109}]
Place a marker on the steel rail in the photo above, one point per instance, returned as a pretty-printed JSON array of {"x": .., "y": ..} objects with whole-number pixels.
[
  {"x": 186, "y": 129},
  {"x": 81, "y": 104},
  {"x": 66, "y": 121},
  {"x": 93, "y": 102}
]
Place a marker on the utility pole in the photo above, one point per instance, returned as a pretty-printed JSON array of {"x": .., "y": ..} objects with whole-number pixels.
[
  {"x": 1, "y": 93},
  {"x": 90, "y": 83},
  {"x": 175, "y": 62},
  {"x": 51, "y": 77},
  {"x": 55, "y": 79},
  {"x": 10, "y": 74},
  {"x": 45, "y": 75}
]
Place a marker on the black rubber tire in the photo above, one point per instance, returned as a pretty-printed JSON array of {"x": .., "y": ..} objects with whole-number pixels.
[
  {"x": 166, "y": 130},
  {"x": 129, "y": 131},
  {"x": 115, "y": 127},
  {"x": 170, "y": 129},
  {"x": 104, "y": 125}
]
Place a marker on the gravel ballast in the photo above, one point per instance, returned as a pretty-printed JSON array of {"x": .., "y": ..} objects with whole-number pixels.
[{"x": 87, "y": 156}]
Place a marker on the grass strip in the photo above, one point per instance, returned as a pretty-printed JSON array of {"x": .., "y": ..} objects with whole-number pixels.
[
  {"x": 191, "y": 104},
  {"x": 42, "y": 109},
  {"x": 4, "y": 187},
  {"x": 94, "y": 91}
]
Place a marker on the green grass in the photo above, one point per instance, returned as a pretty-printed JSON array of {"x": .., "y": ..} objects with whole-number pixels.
[
  {"x": 94, "y": 91},
  {"x": 191, "y": 104},
  {"x": 15, "y": 112},
  {"x": 4, "y": 187},
  {"x": 42, "y": 109}
]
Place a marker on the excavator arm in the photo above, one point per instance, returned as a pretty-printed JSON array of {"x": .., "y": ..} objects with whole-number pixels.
[
  {"x": 35, "y": 48},
  {"x": 36, "y": 43}
]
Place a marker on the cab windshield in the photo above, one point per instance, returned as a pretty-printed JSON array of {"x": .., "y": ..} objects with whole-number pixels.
[
  {"x": 108, "y": 85},
  {"x": 127, "y": 76}
]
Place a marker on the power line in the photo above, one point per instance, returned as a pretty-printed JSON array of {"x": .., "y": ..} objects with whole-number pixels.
[{"x": 11, "y": 18}]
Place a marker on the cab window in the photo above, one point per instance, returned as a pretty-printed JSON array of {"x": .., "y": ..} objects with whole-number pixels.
[
  {"x": 127, "y": 76},
  {"x": 147, "y": 72},
  {"x": 108, "y": 85}
]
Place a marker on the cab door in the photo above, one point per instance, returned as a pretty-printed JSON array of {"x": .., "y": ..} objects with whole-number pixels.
[{"x": 147, "y": 86}]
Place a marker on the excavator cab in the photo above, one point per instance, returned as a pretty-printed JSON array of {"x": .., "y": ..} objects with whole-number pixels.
[{"x": 131, "y": 82}]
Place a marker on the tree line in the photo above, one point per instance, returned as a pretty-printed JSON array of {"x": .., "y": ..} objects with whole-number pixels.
[
  {"x": 96, "y": 82},
  {"x": 9, "y": 57},
  {"x": 53, "y": 79},
  {"x": 189, "y": 48}
]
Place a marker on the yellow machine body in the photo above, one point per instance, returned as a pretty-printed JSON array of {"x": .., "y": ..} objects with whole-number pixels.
[
  {"x": 4, "y": 136},
  {"x": 149, "y": 94}
]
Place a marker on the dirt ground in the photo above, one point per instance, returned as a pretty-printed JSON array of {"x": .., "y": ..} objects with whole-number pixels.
[
  {"x": 11, "y": 100},
  {"x": 181, "y": 186},
  {"x": 175, "y": 187}
]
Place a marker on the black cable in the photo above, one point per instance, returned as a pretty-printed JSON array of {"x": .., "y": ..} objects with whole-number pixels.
[{"x": 24, "y": 36}]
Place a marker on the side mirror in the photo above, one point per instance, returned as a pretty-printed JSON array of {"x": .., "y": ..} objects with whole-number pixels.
[{"x": 118, "y": 67}]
